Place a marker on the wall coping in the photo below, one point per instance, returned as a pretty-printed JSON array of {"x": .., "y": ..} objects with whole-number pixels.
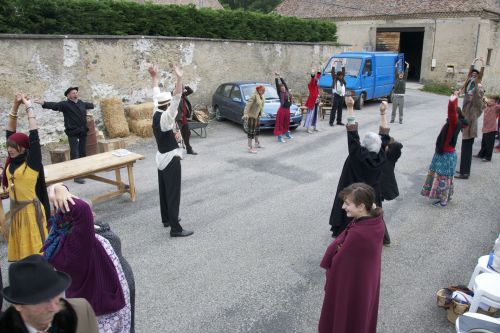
[{"x": 41, "y": 36}]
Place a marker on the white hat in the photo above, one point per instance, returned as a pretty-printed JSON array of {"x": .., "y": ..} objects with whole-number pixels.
[{"x": 164, "y": 98}]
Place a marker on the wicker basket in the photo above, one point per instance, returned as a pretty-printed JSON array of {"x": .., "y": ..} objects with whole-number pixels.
[{"x": 443, "y": 298}]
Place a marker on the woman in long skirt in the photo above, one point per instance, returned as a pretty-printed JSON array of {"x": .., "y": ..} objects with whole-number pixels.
[
  {"x": 439, "y": 182},
  {"x": 251, "y": 118},
  {"x": 282, "y": 126},
  {"x": 312, "y": 103}
]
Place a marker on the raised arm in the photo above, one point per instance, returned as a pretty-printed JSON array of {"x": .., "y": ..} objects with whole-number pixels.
[
  {"x": 12, "y": 120},
  {"x": 187, "y": 91},
  {"x": 178, "y": 84},
  {"x": 452, "y": 109},
  {"x": 89, "y": 105},
  {"x": 284, "y": 83},
  {"x": 383, "y": 127}
]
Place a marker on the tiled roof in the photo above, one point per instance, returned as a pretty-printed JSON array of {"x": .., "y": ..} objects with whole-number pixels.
[
  {"x": 360, "y": 8},
  {"x": 206, "y": 3}
]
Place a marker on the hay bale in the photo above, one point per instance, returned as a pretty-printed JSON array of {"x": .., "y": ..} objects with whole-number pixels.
[
  {"x": 113, "y": 117},
  {"x": 140, "y": 111},
  {"x": 142, "y": 127}
]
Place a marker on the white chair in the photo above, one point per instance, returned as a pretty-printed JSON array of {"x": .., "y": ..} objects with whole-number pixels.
[
  {"x": 486, "y": 291},
  {"x": 481, "y": 267},
  {"x": 476, "y": 322}
]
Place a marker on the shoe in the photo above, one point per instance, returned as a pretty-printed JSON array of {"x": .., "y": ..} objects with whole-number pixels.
[
  {"x": 386, "y": 243},
  {"x": 317, "y": 130},
  {"x": 252, "y": 150},
  {"x": 183, "y": 233},
  {"x": 79, "y": 180},
  {"x": 462, "y": 176},
  {"x": 288, "y": 135},
  {"x": 400, "y": 121},
  {"x": 341, "y": 124},
  {"x": 258, "y": 145},
  {"x": 477, "y": 156},
  {"x": 485, "y": 160},
  {"x": 191, "y": 152},
  {"x": 392, "y": 121},
  {"x": 167, "y": 224},
  {"x": 309, "y": 131},
  {"x": 280, "y": 139},
  {"x": 438, "y": 204},
  {"x": 331, "y": 124}
]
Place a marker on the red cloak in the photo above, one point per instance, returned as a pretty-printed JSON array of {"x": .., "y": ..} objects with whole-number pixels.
[
  {"x": 353, "y": 264},
  {"x": 313, "y": 91}
]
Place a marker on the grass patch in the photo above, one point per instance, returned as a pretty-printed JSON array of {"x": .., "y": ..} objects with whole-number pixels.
[{"x": 440, "y": 89}]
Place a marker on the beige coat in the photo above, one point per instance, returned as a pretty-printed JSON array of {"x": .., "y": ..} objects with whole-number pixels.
[
  {"x": 87, "y": 322},
  {"x": 472, "y": 110},
  {"x": 254, "y": 107}
]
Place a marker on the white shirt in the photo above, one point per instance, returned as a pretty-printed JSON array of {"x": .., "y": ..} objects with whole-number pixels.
[
  {"x": 340, "y": 88},
  {"x": 167, "y": 123},
  {"x": 31, "y": 329}
]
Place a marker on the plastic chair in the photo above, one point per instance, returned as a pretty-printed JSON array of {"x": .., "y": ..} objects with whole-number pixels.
[
  {"x": 486, "y": 291},
  {"x": 481, "y": 267},
  {"x": 476, "y": 322}
]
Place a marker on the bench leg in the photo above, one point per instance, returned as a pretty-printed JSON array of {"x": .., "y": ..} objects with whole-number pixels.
[
  {"x": 119, "y": 179},
  {"x": 131, "y": 181}
]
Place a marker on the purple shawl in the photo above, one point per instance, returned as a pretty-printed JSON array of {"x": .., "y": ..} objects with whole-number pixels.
[{"x": 82, "y": 256}]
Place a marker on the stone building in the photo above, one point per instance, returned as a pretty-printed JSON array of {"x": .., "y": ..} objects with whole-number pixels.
[
  {"x": 439, "y": 38},
  {"x": 215, "y": 4}
]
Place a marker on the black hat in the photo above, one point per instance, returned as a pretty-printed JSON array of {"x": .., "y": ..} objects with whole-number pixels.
[
  {"x": 69, "y": 89},
  {"x": 475, "y": 71},
  {"x": 33, "y": 280}
]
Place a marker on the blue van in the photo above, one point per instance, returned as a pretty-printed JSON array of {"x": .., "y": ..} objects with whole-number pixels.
[{"x": 368, "y": 75}]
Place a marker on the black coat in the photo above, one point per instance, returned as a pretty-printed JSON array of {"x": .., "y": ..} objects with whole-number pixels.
[
  {"x": 361, "y": 166},
  {"x": 185, "y": 102},
  {"x": 388, "y": 184},
  {"x": 75, "y": 115},
  {"x": 65, "y": 321}
]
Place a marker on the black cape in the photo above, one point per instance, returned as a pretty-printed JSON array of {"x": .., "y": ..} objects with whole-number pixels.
[{"x": 361, "y": 166}]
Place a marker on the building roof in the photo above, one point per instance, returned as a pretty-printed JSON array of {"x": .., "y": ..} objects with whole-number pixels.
[
  {"x": 370, "y": 8},
  {"x": 206, "y": 3}
]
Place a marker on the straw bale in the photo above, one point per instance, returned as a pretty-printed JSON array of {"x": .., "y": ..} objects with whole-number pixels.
[
  {"x": 113, "y": 117},
  {"x": 142, "y": 127},
  {"x": 140, "y": 111}
]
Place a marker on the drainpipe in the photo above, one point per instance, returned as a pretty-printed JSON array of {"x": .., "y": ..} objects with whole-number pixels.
[{"x": 477, "y": 39}]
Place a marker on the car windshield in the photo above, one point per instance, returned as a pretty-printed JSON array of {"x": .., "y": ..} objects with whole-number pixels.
[
  {"x": 351, "y": 65},
  {"x": 270, "y": 93}
]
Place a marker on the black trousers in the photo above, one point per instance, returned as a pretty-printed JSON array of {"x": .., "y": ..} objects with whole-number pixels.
[
  {"x": 77, "y": 146},
  {"x": 169, "y": 186},
  {"x": 337, "y": 104},
  {"x": 186, "y": 134},
  {"x": 487, "y": 145},
  {"x": 466, "y": 156}
]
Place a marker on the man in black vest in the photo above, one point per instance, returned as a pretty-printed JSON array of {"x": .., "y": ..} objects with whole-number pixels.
[
  {"x": 168, "y": 156},
  {"x": 75, "y": 122},
  {"x": 36, "y": 292}
]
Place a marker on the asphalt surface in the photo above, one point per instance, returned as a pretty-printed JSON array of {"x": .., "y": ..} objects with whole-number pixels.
[{"x": 261, "y": 228}]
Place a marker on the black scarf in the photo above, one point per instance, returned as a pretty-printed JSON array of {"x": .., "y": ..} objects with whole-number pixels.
[{"x": 453, "y": 140}]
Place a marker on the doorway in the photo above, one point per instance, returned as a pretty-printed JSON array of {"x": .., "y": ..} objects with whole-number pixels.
[{"x": 409, "y": 41}]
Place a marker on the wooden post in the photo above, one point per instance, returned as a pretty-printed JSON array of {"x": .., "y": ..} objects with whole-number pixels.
[
  {"x": 59, "y": 155},
  {"x": 111, "y": 144}
]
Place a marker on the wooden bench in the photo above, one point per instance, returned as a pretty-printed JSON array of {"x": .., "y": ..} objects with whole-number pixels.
[{"x": 87, "y": 167}]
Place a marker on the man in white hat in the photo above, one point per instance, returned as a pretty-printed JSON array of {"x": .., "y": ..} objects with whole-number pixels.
[{"x": 168, "y": 156}]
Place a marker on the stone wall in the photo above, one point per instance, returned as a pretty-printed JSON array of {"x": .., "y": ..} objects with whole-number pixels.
[
  {"x": 102, "y": 66},
  {"x": 453, "y": 42}
]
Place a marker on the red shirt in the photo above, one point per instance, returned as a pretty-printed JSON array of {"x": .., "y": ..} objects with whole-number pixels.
[{"x": 452, "y": 125}]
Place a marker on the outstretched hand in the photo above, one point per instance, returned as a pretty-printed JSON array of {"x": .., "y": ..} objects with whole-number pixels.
[
  {"x": 18, "y": 98},
  {"x": 455, "y": 95},
  {"x": 177, "y": 69},
  {"x": 60, "y": 197},
  {"x": 153, "y": 70}
]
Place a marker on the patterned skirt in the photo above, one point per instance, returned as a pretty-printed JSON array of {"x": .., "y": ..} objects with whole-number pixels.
[
  {"x": 252, "y": 127},
  {"x": 439, "y": 181},
  {"x": 120, "y": 321}
]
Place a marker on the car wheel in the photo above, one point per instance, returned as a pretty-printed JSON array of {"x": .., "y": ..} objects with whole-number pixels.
[
  {"x": 218, "y": 117},
  {"x": 360, "y": 102},
  {"x": 390, "y": 97}
]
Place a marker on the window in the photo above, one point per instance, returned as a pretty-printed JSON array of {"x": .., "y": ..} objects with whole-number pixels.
[
  {"x": 488, "y": 57},
  {"x": 235, "y": 93},
  {"x": 226, "y": 90},
  {"x": 368, "y": 67}
]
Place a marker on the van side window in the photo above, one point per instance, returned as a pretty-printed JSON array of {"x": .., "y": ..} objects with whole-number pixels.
[
  {"x": 368, "y": 67},
  {"x": 235, "y": 93}
]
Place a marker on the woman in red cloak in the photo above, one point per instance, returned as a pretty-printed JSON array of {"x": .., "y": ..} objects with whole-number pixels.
[{"x": 352, "y": 264}]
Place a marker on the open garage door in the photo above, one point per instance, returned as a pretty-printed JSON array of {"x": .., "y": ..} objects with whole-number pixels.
[{"x": 409, "y": 41}]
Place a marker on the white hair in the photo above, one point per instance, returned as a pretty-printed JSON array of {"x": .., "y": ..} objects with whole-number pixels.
[{"x": 372, "y": 142}]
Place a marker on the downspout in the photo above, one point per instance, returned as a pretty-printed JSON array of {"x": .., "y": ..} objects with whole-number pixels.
[{"x": 477, "y": 39}]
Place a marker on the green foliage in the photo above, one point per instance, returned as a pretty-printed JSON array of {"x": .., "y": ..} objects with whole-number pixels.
[
  {"x": 107, "y": 17},
  {"x": 263, "y": 6},
  {"x": 436, "y": 88}
]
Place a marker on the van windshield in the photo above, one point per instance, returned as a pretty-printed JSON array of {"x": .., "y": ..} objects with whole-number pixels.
[{"x": 351, "y": 65}]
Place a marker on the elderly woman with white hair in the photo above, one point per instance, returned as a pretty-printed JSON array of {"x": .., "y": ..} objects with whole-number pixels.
[{"x": 363, "y": 165}]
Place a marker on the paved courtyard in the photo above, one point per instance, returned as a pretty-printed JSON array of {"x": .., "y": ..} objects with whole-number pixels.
[{"x": 261, "y": 228}]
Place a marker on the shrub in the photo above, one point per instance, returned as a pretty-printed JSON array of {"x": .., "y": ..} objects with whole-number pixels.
[{"x": 107, "y": 17}]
